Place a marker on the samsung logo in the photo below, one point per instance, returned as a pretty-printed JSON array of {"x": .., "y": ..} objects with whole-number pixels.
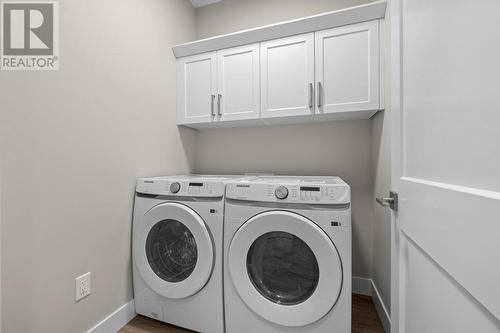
[
  {"x": 149, "y": 181},
  {"x": 241, "y": 185}
]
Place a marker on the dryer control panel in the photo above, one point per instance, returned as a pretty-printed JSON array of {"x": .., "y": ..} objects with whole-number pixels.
[{"x": 329, "y": 190}]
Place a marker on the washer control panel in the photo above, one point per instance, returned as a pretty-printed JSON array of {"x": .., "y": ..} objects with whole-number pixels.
[
  {"x": 180, "y": 187},
  {"x": 281, "y": 192},
  {"x": 315, "y": 193},
  {"x": 195, "y": 188},
  {"x": 175, "y": 187}
]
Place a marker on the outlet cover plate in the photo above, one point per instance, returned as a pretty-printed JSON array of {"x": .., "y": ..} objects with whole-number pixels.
[{"x": 82, "y": 286}]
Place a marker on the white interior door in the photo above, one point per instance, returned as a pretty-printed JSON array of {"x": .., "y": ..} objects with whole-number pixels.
[
  {"x": 347, "y": 68},
  {"x": 446, "y": 166},
  {"x": 238, "y": 83},
  {"x": 287, "y": 76},
  {"x": 196, "y": 88}
]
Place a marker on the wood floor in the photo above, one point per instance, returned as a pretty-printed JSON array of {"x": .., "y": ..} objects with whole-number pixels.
[
  {"x": 364, "y": 320},
  {"x": 364, "y": 316}
]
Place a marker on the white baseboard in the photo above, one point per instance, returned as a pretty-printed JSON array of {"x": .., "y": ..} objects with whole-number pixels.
[
  {"x": 367, "y": 287},
  {"x": 361, "y": 286},
  {"x": 382, "y": 312},
  {"x": 116, "y": 320},
  {"x": 126, "y": 312}
]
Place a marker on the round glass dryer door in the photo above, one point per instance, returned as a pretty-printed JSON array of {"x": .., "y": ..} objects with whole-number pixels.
[
  {"x": 173, "y": 250},
  {"x": 285, "y": 268}
]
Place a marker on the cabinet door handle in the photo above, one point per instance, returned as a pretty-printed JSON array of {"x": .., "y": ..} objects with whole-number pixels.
[
  {"x": 311, "y": 95},
  {"x": 219, "y": 112},
  {"x": 320, "y": 102},
  {"x": 212, "y": 111}
]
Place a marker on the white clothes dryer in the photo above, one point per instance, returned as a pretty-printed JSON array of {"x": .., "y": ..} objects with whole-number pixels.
[
  {"x": 177, "y": 250},
  {"x": 287, "y": 254}
]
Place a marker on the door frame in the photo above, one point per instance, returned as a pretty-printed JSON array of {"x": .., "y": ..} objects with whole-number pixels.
[{"x": 396, "y": 145}]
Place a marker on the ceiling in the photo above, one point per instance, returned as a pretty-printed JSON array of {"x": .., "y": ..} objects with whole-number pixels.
[{"x": 201, "y": 3}]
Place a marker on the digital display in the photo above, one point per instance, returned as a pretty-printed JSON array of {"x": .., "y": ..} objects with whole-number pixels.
[
  {"x": 195, "y": 184},
  {"x": 308, "y": 188}
]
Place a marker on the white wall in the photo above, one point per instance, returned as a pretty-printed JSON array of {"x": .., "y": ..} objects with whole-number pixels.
[
  {"x": 72, "y": 144},
  {"x": 358, "y": 151},
  {"x": 234, "y": 15}
]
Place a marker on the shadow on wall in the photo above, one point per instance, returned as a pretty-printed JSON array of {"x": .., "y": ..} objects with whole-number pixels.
[
  {"x": 188, "y": 137},
  {"x": 331, "y": 149},
  {"x": 334, "y": 148}
]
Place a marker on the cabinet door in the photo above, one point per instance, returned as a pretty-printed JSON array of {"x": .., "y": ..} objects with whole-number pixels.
[
  {"x": 347, "y": 68},
  {"x": 196, "y": 88},
  {"x": 287, "y": 76},
  {"x": 238, "y": 83}
]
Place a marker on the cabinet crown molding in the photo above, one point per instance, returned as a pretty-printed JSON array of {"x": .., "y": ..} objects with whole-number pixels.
[{"x": 371, "y": 11}]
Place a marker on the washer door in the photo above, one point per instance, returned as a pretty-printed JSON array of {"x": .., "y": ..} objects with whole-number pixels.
[
  {"x": 285, "y": 268},
  {"x": 174, "y": 251}
]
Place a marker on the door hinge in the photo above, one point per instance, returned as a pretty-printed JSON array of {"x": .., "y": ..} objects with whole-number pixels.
[{"x": 391, "y": 202}]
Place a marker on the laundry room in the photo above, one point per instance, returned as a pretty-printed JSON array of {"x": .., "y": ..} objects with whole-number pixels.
[{"x": 240, "y": 166}]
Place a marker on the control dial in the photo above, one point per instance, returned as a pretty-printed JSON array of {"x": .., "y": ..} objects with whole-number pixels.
[
  {"x": 175, "y": 187},
  {"x": 281, "y": 192}
]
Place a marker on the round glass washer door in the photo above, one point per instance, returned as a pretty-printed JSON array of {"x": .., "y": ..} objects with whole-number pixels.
[
  {"x": 173, "y": 250},
  {"x": 282, "y": 268},
  {"x": 285, "y": 268}
]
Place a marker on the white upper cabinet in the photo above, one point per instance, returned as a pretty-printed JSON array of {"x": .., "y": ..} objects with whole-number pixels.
[
  {"x": 287, "y": 76},
  {"x": 238, "y": 96},
  {"x": 317, "y": 68},
  {"x": 347, "y": 68},
  {"x": 196, "y": 88}
]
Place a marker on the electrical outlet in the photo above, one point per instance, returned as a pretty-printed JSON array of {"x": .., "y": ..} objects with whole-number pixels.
[{"x": 82, "y": 286}]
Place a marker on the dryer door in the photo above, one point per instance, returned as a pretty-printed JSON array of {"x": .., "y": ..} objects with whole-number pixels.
[
  {"x": 173, "y": 250},
  {"x": 285, "y": 268}
]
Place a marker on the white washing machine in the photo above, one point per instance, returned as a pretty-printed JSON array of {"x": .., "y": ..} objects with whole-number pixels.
[
  {"x": 177, "y": 250},
  {"x": 287, "y": 254}
]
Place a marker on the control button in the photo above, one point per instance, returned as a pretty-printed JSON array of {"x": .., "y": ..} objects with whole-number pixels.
[
  {"x": 281, "y": 192},
  {"x": 175, "y": 187}
]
